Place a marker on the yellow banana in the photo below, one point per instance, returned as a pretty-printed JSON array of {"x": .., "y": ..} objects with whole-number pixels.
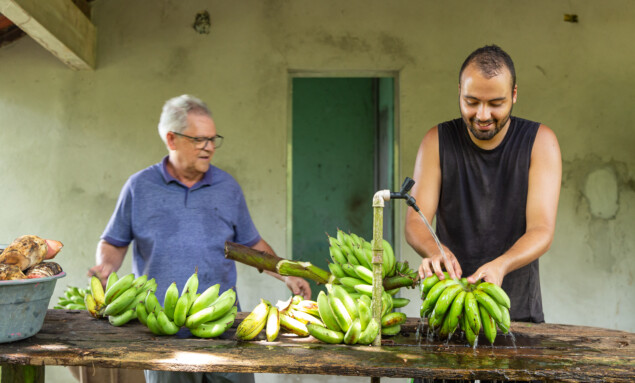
[
  {"x": 208, "y": 297},
  {"x": 167, "y": 326},
  {"x": 353, "y": 333},
  {"x": 498, "y": 294},
  {"x": 214, "y": 311},
  {"x": 303, "y": 317},
  {"x": 308, "y": 306},
  {"x": 170, "y": 299},
  {"x": 324, "y": 334},
  {"x": 251, "y": 326},
  {"x": 91, "y": 305},
  {"x": 123, "y": 318},
  {"x": 326, "y": 312},
  {"x": 489, "y": 304},
  {"x": 293, "y": 325},
  {"x": 273, "y": 324},
  {"x": 97, "y": 290},
  {"x": 118, "y": 288}
]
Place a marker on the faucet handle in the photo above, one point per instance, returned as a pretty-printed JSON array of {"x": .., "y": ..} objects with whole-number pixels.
[{"x": 408, "y": 183}]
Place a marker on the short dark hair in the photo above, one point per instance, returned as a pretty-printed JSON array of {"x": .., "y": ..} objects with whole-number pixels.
[{"x": 490, "y": 59}]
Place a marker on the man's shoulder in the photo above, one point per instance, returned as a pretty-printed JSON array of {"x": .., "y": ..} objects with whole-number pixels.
[
  {"x": 223, "y": 178},
  {"x": 152, "y": 172}
]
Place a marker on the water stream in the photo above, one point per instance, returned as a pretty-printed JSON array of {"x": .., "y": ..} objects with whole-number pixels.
[{"x": 436, "y": 239}]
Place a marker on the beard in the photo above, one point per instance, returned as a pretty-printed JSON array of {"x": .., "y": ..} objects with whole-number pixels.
[{"x": 472, "y": 125}]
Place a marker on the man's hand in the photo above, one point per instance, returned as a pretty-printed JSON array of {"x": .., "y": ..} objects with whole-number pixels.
[
  {"x": 298, "y": 286},
  {"x": 489, "y": 272},
  {"x": 435, "y": 264},
  {"x": 101, "y": 271}
]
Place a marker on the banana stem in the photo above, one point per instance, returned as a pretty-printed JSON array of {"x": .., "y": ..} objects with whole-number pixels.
[
  {"x": 378, "y": 259},
  {"x": 304, "y": 270},
  {"x": 399, "y": 281}
]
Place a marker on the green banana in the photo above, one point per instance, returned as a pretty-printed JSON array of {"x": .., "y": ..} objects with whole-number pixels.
[
  {"x": 153, "y": 324},
  {"x": 489, "y": 326},
  {"x": 334, "y": 242},
  {"x": 112, "y": 278},
  {"x": 427, "y": 284},
  {"x": 121, "y": 302},
  {"x": 386, "y": 300},
  {"x": 170, "y": 299},
  {"x": 472, "y": 314},
  {"x": 433, "y": 295},
  {"x": 191, "y": 286},
  {"x": 324, "y": 334},
  {"x": 452, "y": 317},
  {"x": 251, "y": 326},
  {"x": 351, "y": 282},
  {"x": 369, "y": 334},
  {"x": 365, "y": 314},
  {"x": 337, "y": 256},
  {"x": 498, "y": 294},
  {"x": 209, "y": 296},
  {"x": 139, "y": 282},
  {"x": 393, "y": 318},
  {"x": 470, "y": 336},
  {"x": 336, "y": 270},
  {"x": 152, "y": 303},
  {"x": 293, "y": 325},
  {"x": 142, "y": 313},
  {"x": 349, "y": 269},
  {"x": 366, "y": 299},
  {"x": 360, "y": 254},
  {"x": 326, "y": 313},
  {"x": 217, "y": 327},
  {"x": 391, "y": 331},
  {"x": 118, "y": 288},
  {"x": 180, "y": 310},
  {"x": 400, "y": 302},
  {"x": 123, "y": 318},
  {"x": 340, "y": 313},
  {"x": 364, "y": 273},
  {"x": 489, "y": 304},
  {"x": 506, "y": 321},
  {"x": 273, "y": 324},
  {"x": 445, "y": 300},
  {"x": 167, "y": 326},
  {"x": 353, "y": 333},
  {"x": 389, "y": 258},
  {"x": 435, "y": 321},
  {"x": 214, "y": 311},
  {"x": 347, "y": 300},
  {"x": 365, "y": 289}
]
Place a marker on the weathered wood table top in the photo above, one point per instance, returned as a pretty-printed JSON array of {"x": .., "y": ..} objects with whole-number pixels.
[{"x": 549, "y": 352}]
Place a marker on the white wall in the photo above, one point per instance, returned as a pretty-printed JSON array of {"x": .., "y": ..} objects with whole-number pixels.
[{"x": 70, "y": 139}]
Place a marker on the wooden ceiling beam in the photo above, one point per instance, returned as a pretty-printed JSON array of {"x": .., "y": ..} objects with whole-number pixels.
[{"x": 59, "y": 26}]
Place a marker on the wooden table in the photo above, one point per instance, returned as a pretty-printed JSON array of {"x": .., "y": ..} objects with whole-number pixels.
[{"x": 549, "y": 352}]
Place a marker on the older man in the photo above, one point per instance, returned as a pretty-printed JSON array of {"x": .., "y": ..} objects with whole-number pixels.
[{"x": 179, "y": 213}]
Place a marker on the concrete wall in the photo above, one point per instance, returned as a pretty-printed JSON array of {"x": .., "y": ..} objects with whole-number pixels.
[{"x": 70, "y": 139}]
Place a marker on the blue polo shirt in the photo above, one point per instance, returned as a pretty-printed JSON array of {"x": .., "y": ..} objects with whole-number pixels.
[{"x": 175, "y": 229}]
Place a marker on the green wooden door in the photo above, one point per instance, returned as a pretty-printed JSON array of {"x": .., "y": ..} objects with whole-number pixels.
[{"x": 336, "y": 136}]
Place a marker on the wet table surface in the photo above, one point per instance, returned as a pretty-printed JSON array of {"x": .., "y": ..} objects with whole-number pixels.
[{"x": 549, "y": 352}]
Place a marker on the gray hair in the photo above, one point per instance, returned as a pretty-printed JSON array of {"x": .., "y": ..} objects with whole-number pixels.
[{"x": 175, "y": 111}]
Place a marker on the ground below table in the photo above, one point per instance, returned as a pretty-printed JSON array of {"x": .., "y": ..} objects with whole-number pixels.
[{"x": 549, "y": 352}]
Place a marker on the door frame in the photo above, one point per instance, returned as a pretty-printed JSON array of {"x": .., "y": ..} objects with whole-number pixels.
[{"x": 398, "y": 213}]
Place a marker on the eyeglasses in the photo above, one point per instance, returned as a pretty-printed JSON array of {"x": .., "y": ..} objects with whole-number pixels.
[{"x": 201, "y": 142}]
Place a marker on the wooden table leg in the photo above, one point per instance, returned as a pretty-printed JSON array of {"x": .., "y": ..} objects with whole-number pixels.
[{"x": 21, "y": 373}]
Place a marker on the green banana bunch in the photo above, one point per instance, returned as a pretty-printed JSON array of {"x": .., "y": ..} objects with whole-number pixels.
[
  {"x": 452, "y": 304},
  {"x": 73, "y": 299}
]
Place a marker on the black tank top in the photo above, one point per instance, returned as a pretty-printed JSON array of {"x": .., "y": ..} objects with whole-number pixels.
[{"x": 481, "y": 211}]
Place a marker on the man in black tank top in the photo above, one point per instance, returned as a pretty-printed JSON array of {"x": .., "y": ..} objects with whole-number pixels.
[{"x": 493, "y": 182}]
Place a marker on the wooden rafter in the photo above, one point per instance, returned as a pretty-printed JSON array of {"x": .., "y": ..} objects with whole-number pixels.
[{"x": 59, "y": 26}]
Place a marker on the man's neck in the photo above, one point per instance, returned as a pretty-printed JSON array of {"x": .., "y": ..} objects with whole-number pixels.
[{"x": 188, "y": 179}]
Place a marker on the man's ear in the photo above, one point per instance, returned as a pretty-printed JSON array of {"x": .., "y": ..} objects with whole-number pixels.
[
  {"x": 169, "y": 141},
  {"x": 515, "y": 94}
]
